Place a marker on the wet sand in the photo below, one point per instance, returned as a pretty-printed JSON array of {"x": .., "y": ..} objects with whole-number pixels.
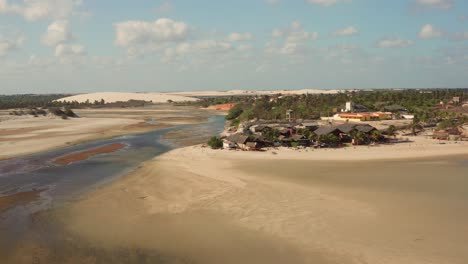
[
  {"x": 74, "y": 157},
  {"x": 25, "y": 135},
  {"x": 8, "y": 201},
  {"x": 212, "y": 208}
]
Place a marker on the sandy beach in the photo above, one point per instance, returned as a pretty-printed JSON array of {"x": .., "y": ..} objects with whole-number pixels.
[
  {"x": 26, "y": 135},
  {"x": 367, "y": 205}
]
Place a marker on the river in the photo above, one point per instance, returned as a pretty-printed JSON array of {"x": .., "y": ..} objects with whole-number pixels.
[{"x": 57, "y": 185}]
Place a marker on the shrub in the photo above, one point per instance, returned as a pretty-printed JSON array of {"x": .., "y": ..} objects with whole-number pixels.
[
  {"x": 235, "y": 122},
  {"x": 68, "y": 112},
  {"x": 391, "y": 131},
  {"x": 235, "y": 112},
  {"x": 329, "y": 139},
  {"x": 215, "y": 143},
  {"x": 271, "y": 134}
]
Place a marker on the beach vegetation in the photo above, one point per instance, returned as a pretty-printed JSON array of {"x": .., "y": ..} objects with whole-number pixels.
[
  {"x": 391, "y": 131},
  {"x": 376, "y": 136},
  {"x": 329, "y": 139},
  {"x": 416, "y": 125},
  {"x": 294, "y": 144},
  {"x": 359, "y": 137},
  {"x": 235, "y": 112},
  {"x": 271, "y": 135},
  {"x": 215, "y": 143}
]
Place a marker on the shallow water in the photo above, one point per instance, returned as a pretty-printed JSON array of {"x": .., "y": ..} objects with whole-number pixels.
[{"x": 61, "y": 184}]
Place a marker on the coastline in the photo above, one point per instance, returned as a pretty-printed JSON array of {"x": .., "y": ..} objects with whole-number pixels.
[{"x": 418, "y": 147}]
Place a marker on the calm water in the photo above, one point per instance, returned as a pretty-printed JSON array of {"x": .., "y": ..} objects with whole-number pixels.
[{"x": 63, "y": 184}]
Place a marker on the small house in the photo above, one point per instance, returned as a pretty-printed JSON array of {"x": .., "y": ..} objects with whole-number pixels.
[{"x": 239, "y": 140}]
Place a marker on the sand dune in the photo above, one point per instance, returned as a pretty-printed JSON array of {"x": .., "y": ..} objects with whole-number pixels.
[
  {"x": 112, "y": 97},
  {"x": 246, "y": 92}
]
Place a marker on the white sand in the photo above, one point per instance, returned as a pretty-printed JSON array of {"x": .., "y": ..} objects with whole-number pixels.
[
  {"x": 350, "y": 212},
  {"x": 25, "y": 136},
  {"x": 112, "y": 97},
  {"x": 253, "y": 92}
]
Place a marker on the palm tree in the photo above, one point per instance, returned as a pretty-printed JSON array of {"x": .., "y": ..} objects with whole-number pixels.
[
  {"x": 391, "y": 131},
  {"x": 375, "y": 136},
  {"x": 415, "y": 125},
  {"x": 358, "y": 137}
]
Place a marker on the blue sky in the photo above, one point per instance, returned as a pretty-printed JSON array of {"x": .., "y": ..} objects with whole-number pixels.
[{"x": 51, "y": 46}]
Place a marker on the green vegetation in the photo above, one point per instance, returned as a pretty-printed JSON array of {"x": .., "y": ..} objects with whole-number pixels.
[
  {"x": 446, "y": 124},
  {"x": 329, "y": 139},
  {"x": 271, "y": 135},
  {"x": 65, "y": 114},
  {"x": 30, "y": 101},
  {"x": 215, "y": 143},
  {"x": 235, "y": 112},
  {"x": 376, "y": 136},
  {"x": 359, "y": 137},
  {"x": 391, "y": 131},
  {"x": 294, "y": 144},
  {"x": 313, "y": 106}
]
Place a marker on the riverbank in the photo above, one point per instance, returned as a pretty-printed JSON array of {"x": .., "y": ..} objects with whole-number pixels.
[
  {"x": 416, "y": 147},
  {"x": 27, "y": 135},
  {"x": 206, "y": 205}
]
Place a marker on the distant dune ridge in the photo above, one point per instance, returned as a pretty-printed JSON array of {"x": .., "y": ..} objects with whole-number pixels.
[
  {"x": 246, "y": 92},
  {"x": 112, "y": 97}
]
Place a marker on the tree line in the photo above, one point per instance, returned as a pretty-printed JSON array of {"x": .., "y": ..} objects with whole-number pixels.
[{"x": 314, "y": 106}]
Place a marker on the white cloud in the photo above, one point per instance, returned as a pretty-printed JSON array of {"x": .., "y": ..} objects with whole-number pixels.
[
  {"x": 428, "y": 31},
  {"x": 348, "y": 31},
  {"x": 294, "y": 40},
  {"x": 70, "y": 53},
  {"x": 57, "y": 32},
  {"x": 205, "y": 52},
  {"x": 173, "y": 41},
  {"x": 394, "y": 43},
  {"x": 64, "y": 50},
  {"x": 134, "y": 34},
  {"x": 326, "y": 2},
  {"x": 240, "y": 37},
  {"x": 33, "y": 10},
  {"x": 440, "y": 4},
  {"x": 10, "y": 43}
]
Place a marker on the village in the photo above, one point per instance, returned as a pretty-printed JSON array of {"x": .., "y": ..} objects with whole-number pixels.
[{"x": 351, "y": 126}]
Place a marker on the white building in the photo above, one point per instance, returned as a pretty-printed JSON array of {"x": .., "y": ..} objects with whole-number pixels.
[{"x": 349, "y": 107}]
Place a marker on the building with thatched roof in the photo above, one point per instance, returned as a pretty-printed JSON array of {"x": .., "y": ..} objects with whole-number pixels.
[
  {"x": 237, "y": 140},
  {"x": 327, "y": 130},
  {"x": 348, "y": 128}
]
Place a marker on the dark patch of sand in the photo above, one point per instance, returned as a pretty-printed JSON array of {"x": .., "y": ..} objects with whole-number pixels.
[{"x": 79, "y": 156}]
